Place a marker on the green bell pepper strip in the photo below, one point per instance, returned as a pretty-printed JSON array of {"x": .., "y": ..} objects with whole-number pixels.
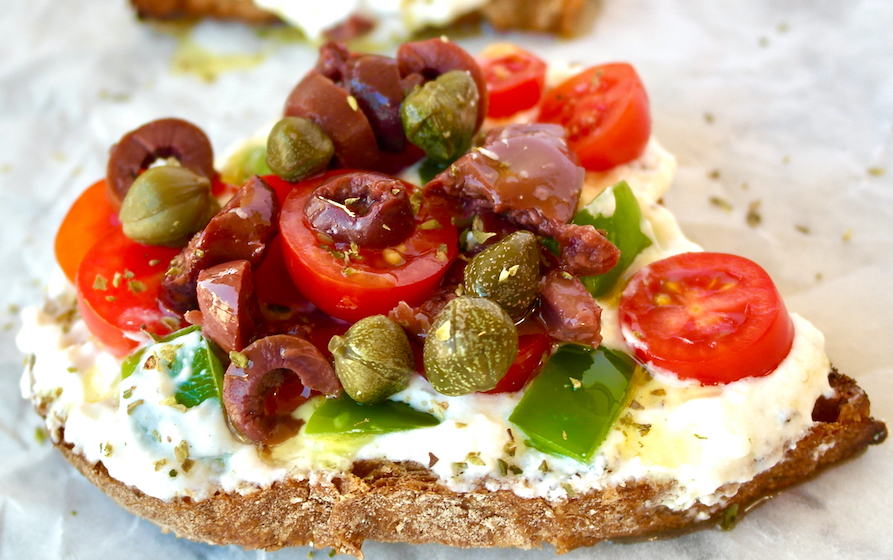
[
  {"x": 430, "y": 169},
  {"x": 569, "y": 407},
  {"x": 344, "y": 416},
  {"x": 205, "y": 379},
  {"x": 623, "y": 230},
  {"x": 245, "y": 163}
]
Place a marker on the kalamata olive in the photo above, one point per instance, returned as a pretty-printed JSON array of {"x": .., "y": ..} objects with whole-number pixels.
[
  {"x": 370, "y": 209},
  {"x": 433, "y": 57},
  {"x": 165, "y": 205},
  {"x": 568, "y": 310},
  {"x": 298, "y": 148},
  {"x": 159, "y": 139},
  {"x": 470, "y": 346},
  {"x": 337, "y": 113},
  {"x": 259, "y": 373},
  {"x": 439, "y": 117},
  {"x": 332, "y": 60},
  {"x": 241, "y": 230},
  {"x": 585, "y": 251},
  {"x": 374, "y": 81},
  {"x": 373, "y": 360},
  {"x": 228, "y": 304},
  {"x": 525, "y": 172},
  {"x": 528, "y": 174},
  {"x": 507, "y": 272}
]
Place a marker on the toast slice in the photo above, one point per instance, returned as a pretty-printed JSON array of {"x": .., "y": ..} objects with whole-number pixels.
[
  {"x": 403, "y": 502},
  {"x": 562, "y": 17},
  {"x": 238, "y": 10}
]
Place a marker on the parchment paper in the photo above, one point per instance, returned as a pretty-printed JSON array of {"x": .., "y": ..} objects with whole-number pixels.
[{"x": 781, "y": 110}]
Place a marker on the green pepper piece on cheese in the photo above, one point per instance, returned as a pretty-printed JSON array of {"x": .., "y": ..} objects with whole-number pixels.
[
  {"x": 344, "y": 416},
  {"x": 617, "y": 212},
  {"x": 570, "y": 406},
  {"x": 187, "y": 357}
]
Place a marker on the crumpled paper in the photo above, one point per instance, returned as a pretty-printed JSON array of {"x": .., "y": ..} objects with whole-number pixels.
[{"x": 779, "y": 114}]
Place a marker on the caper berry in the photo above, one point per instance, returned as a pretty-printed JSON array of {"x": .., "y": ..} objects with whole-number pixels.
[
  {"x": 441, "y": 116},
  {"x": 373, "y": 359},
  {"x": 507, "y": 272},
  {"x": 167, "y": 204},
  {"x": 470, "y": 346},
  {"x": 298, "y": 148}
]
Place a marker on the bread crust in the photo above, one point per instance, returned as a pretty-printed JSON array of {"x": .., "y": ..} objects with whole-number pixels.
[
  {"x": 564, "y": 17},
  {"x": 238, "y": 10},
  {"x": 403, "y": 502}
]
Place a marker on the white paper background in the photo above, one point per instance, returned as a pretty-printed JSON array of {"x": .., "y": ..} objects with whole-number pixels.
[{"x": 801, "y": 99}]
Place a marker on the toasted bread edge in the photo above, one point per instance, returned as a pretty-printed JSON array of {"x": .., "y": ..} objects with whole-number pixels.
[
  {"x": 563, "y": 17},
  {"x": 403, "y": 502}
]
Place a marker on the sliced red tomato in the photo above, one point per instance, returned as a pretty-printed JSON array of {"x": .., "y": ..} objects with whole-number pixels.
[
  {"x": 711, "y": 317},
  {"x": 605, "y": 111},
  {"x": 117, "y": 287},
  {"x": 87, "y": 220},
  {"x": 220, "y": 188},
  {"x": 280, "y": 186},
  {"x": 373, "y": 281},
  {"x": 532, "y": 351},
  {"x": 272, "y": 282},
  {"x": 515, "y": 79}
]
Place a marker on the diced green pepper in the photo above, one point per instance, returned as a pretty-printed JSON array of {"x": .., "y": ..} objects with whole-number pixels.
[
  {"x": 131, "y": 362},
  {"x": 250, "y": 160},
  {"x": 621, "y": 220},
  {"x": 570, "y": 406},
  {"x": 429, "y": 169},
  {"x": 344, "y": 416},
  {"x": 172, "y": 354}
]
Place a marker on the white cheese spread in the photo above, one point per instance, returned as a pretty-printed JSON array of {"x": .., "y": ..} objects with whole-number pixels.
[
  {"x": 691, "y": 437},
  {"x": 393, "y": 19}
]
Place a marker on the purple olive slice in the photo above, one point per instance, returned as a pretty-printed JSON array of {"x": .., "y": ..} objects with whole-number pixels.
[
  {"x": 159, "y": 139},
  {"x": 262, "y": 369}
]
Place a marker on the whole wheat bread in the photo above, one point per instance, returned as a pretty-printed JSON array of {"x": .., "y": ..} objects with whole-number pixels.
[
  {"x": 564, "y": 17},
  {"x": 391, "y": 502}
]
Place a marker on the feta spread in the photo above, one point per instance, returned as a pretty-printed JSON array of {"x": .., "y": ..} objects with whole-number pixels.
[
  {"x": 688, "y": 436},
  {"x": 393, "y": 19}
]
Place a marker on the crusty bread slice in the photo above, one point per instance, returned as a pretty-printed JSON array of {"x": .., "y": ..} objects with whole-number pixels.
[
  {"x": 240, "y": 10},
  {"x": 403, "y": 502},
  {"x": 564, "y": 17}
]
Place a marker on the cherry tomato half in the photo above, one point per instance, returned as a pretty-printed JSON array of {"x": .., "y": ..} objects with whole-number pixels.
[
  {"x": 605, "y": 111},
  {"x": 711, "y": 317},
  {"x": 515, "y": 79},
  {"x": 117, "y": 289},
  {"x": 532, "y": 351},
  {"x": 374, "y": 281},
  {"x": 87, "y": 220}
]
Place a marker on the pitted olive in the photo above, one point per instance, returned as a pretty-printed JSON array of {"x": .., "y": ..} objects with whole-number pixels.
[
  {"x": 298, "y": 148},
  {"x": 507, "y": 272},
  {"x": 470, "y": 346},
  {"x": 373, "y": 359},
  {"x": 167, "y": 204},
  {"x": 440, "y": 117}
]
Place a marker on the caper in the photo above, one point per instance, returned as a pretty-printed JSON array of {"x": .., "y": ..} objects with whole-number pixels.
[
  {"x": 373, "y": 359},
  {"x": 298, "y": 148},
  {"x": 440, "y": 117},
  {"x": 470, "y": 346},
  {"x": 167, "y": 204},
  {"x": 507, "y": 272}
]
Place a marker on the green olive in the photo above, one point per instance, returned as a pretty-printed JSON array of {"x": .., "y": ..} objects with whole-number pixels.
[
  {"x": 470, "y": 346},
  {"x": 373, "y": 359},
  {"x": 440, "y": 117},
  {"x": 298, "y": 148},
  {"x": 167, "y": 204},
  {"x": 507, "y": 272}
]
